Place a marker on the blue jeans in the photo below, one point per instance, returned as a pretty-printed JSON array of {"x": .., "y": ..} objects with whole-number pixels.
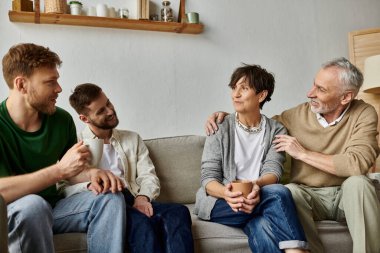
[
  {"x": 32, "y": 222},
  {"x": 168, "y": 230},
  {"x": 273, "y": 224}
]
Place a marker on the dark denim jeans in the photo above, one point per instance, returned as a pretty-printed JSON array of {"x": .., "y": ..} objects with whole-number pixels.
[
  {"x": 168, "y": 230},
  {"x": 272, "y": 226}
]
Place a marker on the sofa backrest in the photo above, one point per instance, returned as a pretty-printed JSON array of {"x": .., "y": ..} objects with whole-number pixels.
[{"x": 178, "y": 165}]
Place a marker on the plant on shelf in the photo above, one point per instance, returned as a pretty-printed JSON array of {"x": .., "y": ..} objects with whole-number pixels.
[
  {"x": 75, "y": 2},
  {"x": 75, "y": 7}
]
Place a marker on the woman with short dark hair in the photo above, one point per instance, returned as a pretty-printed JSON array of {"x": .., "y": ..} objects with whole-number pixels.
[{"x": 243, "y": 149}]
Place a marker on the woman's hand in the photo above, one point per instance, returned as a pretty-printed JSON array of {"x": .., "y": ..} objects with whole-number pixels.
[
  {"x": 234, "y": 199},
  {"x": 252, "y": 199},
  {"x": 238, "y": 203}
]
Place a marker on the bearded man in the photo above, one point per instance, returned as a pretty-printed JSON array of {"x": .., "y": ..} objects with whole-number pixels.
[
  {"x": 151, "y": 226},
  {"x": 34, "y": 135}
]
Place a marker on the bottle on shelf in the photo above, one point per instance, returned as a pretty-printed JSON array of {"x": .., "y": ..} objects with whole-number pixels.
[{"x": 166, "y": 12}]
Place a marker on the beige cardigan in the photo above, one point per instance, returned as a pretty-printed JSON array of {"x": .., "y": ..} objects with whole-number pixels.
[{"x": 139, "y": 171}]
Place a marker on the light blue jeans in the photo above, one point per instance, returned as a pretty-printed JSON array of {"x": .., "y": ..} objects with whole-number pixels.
[
  {"x": 32, "y": 222},
  {"x": 272, "y": 226}
]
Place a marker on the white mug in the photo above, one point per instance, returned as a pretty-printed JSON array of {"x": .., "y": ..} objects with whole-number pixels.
[
  {"x": 112, "y": 12},
  {"x": 91, "y": 11},
  {"x": 96, "y": 148},
  {"x": 101, "y": 10}
]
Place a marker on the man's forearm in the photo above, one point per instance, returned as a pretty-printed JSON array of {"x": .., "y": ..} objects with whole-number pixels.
[
  {"x": 84, "y": 176},
  {"x": 15, "y": 187},
  {"x": 320, "y": 161}
]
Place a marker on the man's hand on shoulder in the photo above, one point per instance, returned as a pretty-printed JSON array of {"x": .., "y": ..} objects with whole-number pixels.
[
  {"x": 211, "y": 125},
  {"x": 290, "y": 145},
  {"x": 143, "y": 205}
]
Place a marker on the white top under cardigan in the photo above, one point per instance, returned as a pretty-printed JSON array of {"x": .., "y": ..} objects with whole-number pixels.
[{"x": 249, "y": 152}]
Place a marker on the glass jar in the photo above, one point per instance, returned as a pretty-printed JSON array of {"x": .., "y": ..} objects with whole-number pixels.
[
  {"x": 123, "y": 13},
  {"x": 166, "y": 12}
]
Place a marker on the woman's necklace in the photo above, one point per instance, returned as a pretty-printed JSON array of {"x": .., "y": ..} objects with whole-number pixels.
[{"x": 251, "y": 130}]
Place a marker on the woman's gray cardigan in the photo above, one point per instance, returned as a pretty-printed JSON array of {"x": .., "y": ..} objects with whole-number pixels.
[{"x": 218, "y": 162}]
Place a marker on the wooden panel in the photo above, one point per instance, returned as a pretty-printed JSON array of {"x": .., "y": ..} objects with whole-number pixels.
[{"x": 363, "y": 44}]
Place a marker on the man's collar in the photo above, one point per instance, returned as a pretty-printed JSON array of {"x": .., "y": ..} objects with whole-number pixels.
[
  {"x": 322, "y": 121},
  {"x": 87, "y": 133}
]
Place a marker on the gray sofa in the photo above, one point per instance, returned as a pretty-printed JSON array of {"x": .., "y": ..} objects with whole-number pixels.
[{"x": 177, "y": 161}]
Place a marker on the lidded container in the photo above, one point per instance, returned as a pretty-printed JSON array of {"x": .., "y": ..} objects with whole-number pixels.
[{"x": 166, "y": 12}]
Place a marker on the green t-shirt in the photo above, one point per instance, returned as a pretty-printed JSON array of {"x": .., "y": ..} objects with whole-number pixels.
[{"x": 24, "y": 152}]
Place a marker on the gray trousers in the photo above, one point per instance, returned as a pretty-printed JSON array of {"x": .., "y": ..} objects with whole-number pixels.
[{"x": 354, "y": 201}]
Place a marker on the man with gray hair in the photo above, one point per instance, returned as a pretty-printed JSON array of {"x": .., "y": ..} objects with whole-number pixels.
[{"x": 332, "y": 143}]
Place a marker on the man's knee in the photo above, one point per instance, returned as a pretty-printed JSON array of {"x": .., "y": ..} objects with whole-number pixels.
[
  {"x": 170, "y": 209},
  {"x": 296, "y": 191},
  {"x": 355, "y": 181},
  {"x": 31, "y": 209},
  {"x": 278, "y": 190},
  {"x": 113, "y": 201},
  {"x": 180, "y": 209},
  {"x": 357, "y": 185}
]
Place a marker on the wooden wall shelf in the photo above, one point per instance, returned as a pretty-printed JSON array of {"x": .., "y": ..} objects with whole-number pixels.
[{"x": 67, "y": 19}]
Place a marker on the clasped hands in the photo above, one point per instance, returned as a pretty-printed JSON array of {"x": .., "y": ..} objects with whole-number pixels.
[{"x": 238, "y": 202}]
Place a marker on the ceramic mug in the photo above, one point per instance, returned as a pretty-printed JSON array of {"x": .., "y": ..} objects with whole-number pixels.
[
  {"x": 192, "y": 17},
  {"x": 243, "y": 186},
  {"x": 112, "y": 12},
  {"x": 91, "y": 11},
  {"x": 96, "y": 149},
  {"x": 101, "y": 10}
]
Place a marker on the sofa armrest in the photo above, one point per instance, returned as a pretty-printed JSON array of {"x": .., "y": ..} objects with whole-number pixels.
[{"x": 3, "y": 226}]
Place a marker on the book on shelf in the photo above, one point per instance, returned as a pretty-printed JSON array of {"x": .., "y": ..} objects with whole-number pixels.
[
  {"x": 138, "y": 9},
  {"x": 143, "y": 9},
  {"x": 147, "y": 2},
  {"x": 22, "y": 5}
]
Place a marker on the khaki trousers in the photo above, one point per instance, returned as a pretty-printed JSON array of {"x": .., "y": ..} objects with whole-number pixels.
[{"x": 354, "y": 201}]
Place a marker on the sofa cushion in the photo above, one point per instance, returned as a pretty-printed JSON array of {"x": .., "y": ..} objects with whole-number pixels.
[
  {"x": 70, "y": 243},
  {"x": 178, "y": 166},
  {"x": 213, "y": 237}
]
